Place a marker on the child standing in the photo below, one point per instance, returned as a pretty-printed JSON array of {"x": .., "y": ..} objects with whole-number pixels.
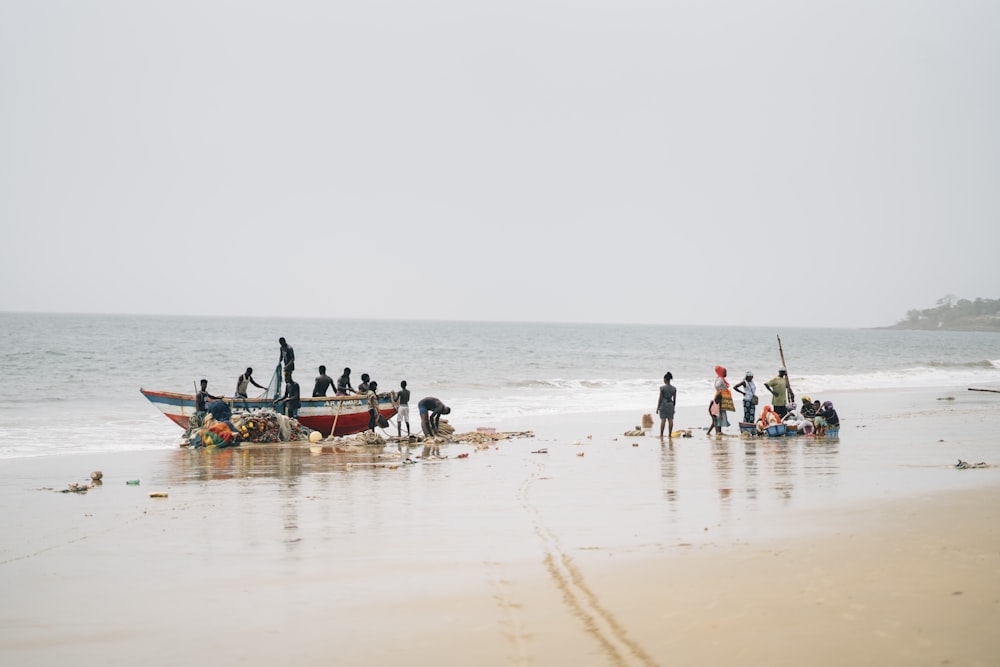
[{"x": 713, "y": 412}]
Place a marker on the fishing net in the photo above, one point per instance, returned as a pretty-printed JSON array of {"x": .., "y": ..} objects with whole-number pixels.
[
  {"x": 261, "y": 425},
  {"x": 274, "y": 386},
  {"x": 266, "y": 425}
]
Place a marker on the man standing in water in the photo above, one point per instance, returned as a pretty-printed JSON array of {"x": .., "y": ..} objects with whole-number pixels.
[
  {"x": 372, "y": 398},
  {"x": 665, "y": 404},
  {"x": 287, "y": 358},
  {"x": 781, "y": 393},
  {"x": 402, "y": 400}
]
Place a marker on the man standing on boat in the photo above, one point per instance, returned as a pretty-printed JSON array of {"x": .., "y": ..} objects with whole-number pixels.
[
  {"x": 323, "y": 383},
  {"x": 344, "y": 383},
  {"x": 291, "y": 398},
  {"x": 287, "y": 358},
  {"x": 243, "y": 383}
]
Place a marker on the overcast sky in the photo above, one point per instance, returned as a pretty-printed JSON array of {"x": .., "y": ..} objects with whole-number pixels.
[{"x": 732, "y": 162}]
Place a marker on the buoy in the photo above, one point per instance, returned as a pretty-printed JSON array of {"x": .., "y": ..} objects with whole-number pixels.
[{"x": 315, "y": 436}]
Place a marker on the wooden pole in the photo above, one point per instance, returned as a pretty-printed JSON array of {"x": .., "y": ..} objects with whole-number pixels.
[
  {"x": 995, "y": 391},
  {"x": 340, "y": 404},
  {"x": 788, "y": 379}
]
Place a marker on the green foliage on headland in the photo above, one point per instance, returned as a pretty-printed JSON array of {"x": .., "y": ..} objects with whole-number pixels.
[{"x": 953, "y": 314}]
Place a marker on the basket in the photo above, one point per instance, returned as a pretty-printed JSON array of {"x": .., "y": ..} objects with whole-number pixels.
[
  {"x": 775, "y": 430},
  {"x": 748, "y": 427}
]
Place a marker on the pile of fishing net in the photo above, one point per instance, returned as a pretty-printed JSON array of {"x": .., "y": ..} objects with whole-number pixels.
[
  {"x": 266, "y": 425},
  {"x": 364, "y": 439},
  {"x": 214, "y": 434},
  {"x": 260, "y": 425}
]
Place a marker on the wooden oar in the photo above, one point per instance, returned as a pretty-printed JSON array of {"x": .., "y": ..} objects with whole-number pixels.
[{"x": 340, "y": 404}]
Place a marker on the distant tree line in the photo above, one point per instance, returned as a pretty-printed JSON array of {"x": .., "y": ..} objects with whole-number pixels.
[{"x": 954, "y": 314}]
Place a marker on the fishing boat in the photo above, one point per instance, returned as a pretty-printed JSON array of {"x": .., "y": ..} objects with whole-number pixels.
[{"x": 339, "y": 415}]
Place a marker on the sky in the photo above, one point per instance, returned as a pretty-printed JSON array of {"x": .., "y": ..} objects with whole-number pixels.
[{"x": 730, "y": 162}]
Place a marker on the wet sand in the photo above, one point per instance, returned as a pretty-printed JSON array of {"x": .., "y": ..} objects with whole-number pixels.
[{"x": 605, "y": 550}]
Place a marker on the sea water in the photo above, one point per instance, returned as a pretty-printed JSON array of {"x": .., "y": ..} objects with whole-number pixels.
[{"x": 71, "y": 382}]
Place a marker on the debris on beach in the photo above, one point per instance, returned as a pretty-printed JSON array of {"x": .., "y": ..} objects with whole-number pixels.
[
  {"x": 634, "y": 432},
  {"x": 364, "y": 439},
  {"x": 543, "y": 450},
  {"x": 962, "y": 465},
  {"x": 158, "y": 494},
  {"x": 75, "y": 488},
  {"x": 96, "y": 476},
  {"x": 479, "y": 437},
  {"x": 482, "y": 438}
]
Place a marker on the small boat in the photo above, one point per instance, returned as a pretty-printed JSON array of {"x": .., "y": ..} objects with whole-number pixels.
[{"x": 339, "y": 415}]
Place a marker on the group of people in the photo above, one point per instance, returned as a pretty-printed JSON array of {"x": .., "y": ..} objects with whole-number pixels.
[
  {"x": 430, "y": 409},
  {"x": 820, "y": 416}
]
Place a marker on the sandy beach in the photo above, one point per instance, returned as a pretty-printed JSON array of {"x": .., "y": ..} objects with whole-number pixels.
[{"x": 603, "y": 549}]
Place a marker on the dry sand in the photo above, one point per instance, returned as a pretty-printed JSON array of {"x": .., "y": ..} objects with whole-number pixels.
[{"x": 695, "y": 552}]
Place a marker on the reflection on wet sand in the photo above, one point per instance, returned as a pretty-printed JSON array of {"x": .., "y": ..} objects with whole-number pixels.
[
  {"x": 820, "y": 465},
  {"x": 750, "y": 470},
  {"x": 286, "y": 461},
  {"x": 720, "y": 463},
  {"x": 668, "y": 470},
  {"x": 745, "y": 474},
  {"x": 780, "y": 456}
]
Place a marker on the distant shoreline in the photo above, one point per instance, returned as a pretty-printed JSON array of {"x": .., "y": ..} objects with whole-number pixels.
[{"x": 969, "y": 327}]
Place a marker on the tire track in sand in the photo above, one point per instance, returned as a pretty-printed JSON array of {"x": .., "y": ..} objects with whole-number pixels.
[
  {"x": 514, "y": 629},
  {"x": 598, "y": 622}
]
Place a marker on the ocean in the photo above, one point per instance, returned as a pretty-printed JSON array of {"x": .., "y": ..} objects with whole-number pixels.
[{"x": 71, "y": 382}]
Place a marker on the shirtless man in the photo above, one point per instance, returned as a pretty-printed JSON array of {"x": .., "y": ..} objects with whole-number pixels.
[
  {"x": 291, "y": 400},
  {"x": 287, "y": 358},
  {"x": 323, "y": 383},
  {"x": 431, "y": 409},
  {"x": 402, "y": 400},
  {"x": 344, "y": 383}
]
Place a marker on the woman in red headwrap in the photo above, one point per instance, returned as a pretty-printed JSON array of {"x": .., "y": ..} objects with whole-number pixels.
[{"x": 723, "y": 397}]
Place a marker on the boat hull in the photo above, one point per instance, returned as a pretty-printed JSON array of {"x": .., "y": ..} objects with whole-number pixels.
[{"x": 340, "y": 415}]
